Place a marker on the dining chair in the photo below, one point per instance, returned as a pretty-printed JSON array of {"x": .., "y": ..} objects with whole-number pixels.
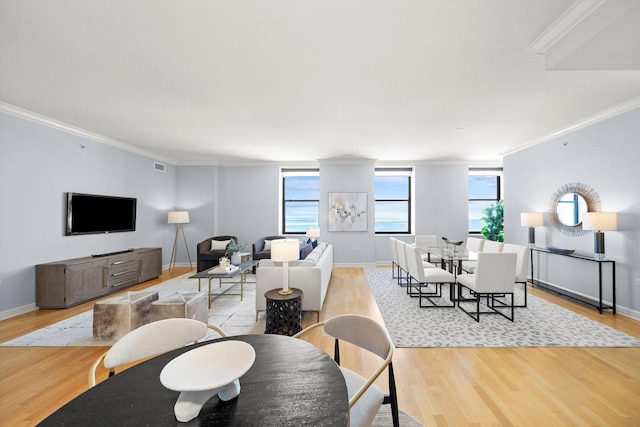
[
  {"x": 474, "y": 246},
  {"x": 395, "y": 267},
  {"x": 522, "y": 265},
  {"x": 423, "y": 277},
  {"x": 426, "y": 241},
  {"x": 149, "y": 340},
  {"x": 402, "y": 263},
  {"x": 494, "y": 279},
  {"x": 365, "y": 398}
]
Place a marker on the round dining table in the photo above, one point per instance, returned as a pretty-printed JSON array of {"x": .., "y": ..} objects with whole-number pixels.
[{"x": 291, "y": 383}]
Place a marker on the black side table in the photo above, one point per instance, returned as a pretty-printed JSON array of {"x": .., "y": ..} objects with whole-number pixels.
[{"x": 284, "y": 312}]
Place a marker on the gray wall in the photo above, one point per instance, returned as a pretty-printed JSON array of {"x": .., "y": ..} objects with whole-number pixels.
[
  {"x": 38, "y": 165},
  {"x": 604, "y": 156}
]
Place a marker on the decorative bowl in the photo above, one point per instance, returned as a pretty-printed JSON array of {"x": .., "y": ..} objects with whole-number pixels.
[{"x": 560, "y": 251}]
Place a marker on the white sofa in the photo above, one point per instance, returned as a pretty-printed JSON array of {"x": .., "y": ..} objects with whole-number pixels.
[{"x": 310, "y": 275}]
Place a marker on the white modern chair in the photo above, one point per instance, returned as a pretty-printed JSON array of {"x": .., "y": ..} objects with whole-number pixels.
[
  {"x": 423, "y": 277},
  {"x": 495, "y": 279},
  {"x": 402, "y": 263},
  {"x": 522, "y": 266},
  {"x": 474, "y": 247},
  {"x": 365, "y": 398},
  {"x": 424, "y": 242},
  {"x": 149, "y": 340},
  {"x": 491, "y": 246},
  {"x": 395, "y": 267}
]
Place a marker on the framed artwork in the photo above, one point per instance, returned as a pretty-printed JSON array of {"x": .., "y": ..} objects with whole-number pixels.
[{"x": 347, "y": 212}]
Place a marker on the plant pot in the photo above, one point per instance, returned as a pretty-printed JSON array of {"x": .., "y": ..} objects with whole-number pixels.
[{"x": 236, "y": 259}]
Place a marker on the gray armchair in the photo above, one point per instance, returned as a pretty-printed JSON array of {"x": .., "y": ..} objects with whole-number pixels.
[
  {"x": 208, "y": 257},
  {"x": 258, "y": 249}
]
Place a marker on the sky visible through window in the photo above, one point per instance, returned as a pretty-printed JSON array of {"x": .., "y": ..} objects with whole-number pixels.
[
  {"x": 481, "y": 187},
  {"x": 302, "y": 213},
  {"x": 391, "y": 215}
]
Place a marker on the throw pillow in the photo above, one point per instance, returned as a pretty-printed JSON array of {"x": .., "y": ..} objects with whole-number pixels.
[
  {"x": 219, "y": 245},
  {"x": 267, "y": 245},
  {"x": 314, "y": 244}
]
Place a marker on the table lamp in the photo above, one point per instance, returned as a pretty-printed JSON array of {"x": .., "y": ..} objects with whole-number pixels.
[
  {"x": 285, "y": 250},
  {"x": 599, "y": 221},
  {"x": 178, "y": 218},
  {"x": 531, "y": 220},
  {"x": 313, "y": 232}
]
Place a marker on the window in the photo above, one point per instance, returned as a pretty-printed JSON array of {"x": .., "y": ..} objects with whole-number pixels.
[
  {"x": 300, "y": 200},
  {"x": 484, "y": 190},
  {"x": 393, "y": 204}
]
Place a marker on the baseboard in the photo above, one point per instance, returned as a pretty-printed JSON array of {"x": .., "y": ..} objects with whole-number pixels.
[{"x": 17, "y": 311}]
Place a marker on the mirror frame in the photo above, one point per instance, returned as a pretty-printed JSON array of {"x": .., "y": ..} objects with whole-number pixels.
[{"x": 590, "y": 196}]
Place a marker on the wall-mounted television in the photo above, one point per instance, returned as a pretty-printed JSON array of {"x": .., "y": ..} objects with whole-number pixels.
[{"x": 92, "y": 214}]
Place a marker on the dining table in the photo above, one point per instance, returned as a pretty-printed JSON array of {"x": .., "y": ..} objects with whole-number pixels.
[{"x": 291, "y": 383}]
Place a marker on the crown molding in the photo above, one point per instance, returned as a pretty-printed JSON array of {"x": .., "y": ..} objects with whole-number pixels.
[
  {"x": 570, "y": 19},
  {"x": 632, "y": 104},
  {"x": 74, "y": 130}
]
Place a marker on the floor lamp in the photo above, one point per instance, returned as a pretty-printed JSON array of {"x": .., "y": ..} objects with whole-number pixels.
[{"x": 178, "y": 218}]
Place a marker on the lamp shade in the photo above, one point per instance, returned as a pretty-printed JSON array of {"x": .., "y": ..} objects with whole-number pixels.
[
  {"x": 313, "y": 232},
  {"x": 600, "y": 221},
  {"x": 179, "y": 217},
  {"x": 285, "y": 250},
  {"x": 531, "y": 219}
]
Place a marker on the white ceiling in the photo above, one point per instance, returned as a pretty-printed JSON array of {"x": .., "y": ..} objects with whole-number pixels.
[{"x": 230, "y": 82}]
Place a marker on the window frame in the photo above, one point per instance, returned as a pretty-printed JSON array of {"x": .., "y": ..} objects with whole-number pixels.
[
  {"x": 410, "y": 200},
  {"x": 295, "y": 172},
  {"x": 497, "y": 172}
]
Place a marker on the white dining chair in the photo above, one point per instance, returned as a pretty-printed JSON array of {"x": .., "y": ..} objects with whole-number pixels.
[
  {"x": 474, "y": 247},
  {"x": 522, "y": 266},
  {"x": 421, "y": 277},
  {"x": 149, "y": 340},
  {"x": 365, "y": 397},
  {"x": 494, "y": 279}
]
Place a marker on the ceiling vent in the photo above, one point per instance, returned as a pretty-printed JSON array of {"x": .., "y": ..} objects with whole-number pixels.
[{"x": 159, "y": 167}]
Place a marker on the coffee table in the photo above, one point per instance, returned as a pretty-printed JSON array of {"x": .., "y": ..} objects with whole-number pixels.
[{"x": 244, "y": 267}]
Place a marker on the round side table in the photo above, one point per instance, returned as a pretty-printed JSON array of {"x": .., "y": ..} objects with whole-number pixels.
[{"x": 284, "y": 312}]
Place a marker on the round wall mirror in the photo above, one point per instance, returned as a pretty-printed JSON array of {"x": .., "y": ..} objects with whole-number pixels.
[{"x": 568, "y": 205}]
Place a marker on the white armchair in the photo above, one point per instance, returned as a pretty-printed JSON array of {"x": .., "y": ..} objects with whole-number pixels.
[
  {"x": 420, "y": 277},
  {"x": 494, "y": 279}
]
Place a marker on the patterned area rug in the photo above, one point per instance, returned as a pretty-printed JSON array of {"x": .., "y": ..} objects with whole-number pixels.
[
  {"x": 235, "y": 317},
  {"x": 540, "y": 324}
]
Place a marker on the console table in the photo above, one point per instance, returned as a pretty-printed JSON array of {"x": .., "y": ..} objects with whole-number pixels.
[
  {"x": 600, "y": 306},
  {"x": 62, "y": 284}
]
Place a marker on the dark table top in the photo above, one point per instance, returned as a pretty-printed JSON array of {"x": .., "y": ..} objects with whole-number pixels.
[{"x": 291, "y": 383}]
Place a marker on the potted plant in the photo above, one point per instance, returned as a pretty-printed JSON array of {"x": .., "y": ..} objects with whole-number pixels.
[
  {"x": 234, "y": 248},
  {"x": 494, "y": 222}
]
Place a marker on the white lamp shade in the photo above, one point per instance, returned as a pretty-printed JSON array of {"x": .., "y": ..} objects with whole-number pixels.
[
  {"x": 600, "y": 221},
  {"x": 179, "y": 217},
  {"x": 285, "y": 250},
  {"x": 531, "y": 219},
  {"x": 313, "y": 232}
]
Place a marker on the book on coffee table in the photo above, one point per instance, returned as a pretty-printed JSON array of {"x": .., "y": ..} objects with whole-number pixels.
[{"x": 224, "y": 270}]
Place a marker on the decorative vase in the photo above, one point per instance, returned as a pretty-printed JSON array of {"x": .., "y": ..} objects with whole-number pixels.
[{"x": 236, "y": 258}]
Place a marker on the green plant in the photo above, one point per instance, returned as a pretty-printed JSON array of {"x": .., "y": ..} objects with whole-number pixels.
[
  {"x": 233, "y": 246},
  {"x": 494, "y": 220}
]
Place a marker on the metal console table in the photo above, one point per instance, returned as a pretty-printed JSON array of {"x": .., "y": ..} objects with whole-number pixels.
[{"x": 600, "y": 306}]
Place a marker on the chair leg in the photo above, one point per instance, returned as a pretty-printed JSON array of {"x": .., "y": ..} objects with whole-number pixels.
[{"x": 392, "y": 397}]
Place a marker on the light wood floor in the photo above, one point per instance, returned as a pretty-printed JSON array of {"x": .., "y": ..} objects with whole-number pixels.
[{"x": 437, "y": 386}]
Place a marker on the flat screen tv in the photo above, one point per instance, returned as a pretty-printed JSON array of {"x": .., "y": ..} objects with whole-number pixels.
[{"x": 92, "y": 214}]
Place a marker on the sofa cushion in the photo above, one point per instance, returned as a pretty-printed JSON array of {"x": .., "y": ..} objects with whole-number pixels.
[
  {"x": 305, "y": 250},
  {"x": 267, "y": 245},
  {"x": 219, "y": 245},
  {"x": 315, "y": 255}
]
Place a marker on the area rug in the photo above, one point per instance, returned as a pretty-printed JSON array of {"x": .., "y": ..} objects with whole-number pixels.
[
  {"x": 235, "y": 317},
  {"x": 540, "y": 324}
]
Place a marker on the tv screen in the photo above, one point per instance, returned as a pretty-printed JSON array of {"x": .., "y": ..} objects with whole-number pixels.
[{"x": 91, "y": 214}]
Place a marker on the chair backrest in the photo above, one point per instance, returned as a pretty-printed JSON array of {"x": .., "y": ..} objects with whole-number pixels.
[
  {"x": 402, "y": 255},
  {"x": 495, "y": 272},
  {"x": 474, "y": 244},
  {"x": 522, "y": 264},
  {"x": 426, "y": 241},
  {"x": 154, "y": 338},
  {"x": 414, "y": 263},
  {"x": 491, "y": 246},
  {"x": 394, "y": 250},
  {"x": 362, "y": 332}
]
